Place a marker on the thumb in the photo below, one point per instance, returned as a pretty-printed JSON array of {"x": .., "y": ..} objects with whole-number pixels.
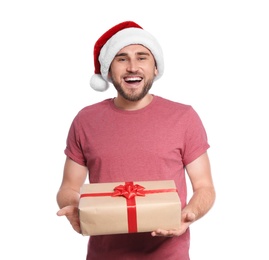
[
  {"x": 64, "y": 211},
  {"x": 190, "y": 217},
  {"x": 60, "y": 212}
]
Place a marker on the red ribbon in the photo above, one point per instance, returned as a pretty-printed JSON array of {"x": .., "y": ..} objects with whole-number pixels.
[{"x": 129, "y": 191}]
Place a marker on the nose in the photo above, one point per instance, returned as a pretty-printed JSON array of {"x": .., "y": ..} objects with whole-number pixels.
[{"x": 132, "y": 65}]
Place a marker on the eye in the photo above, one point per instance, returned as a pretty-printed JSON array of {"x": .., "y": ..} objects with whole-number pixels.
[
  {"x": 142, "y": 58},
  {"x": 121, "y": 59}
]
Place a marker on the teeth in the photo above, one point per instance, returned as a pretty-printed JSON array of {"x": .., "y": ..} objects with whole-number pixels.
[{"x": 133, "y": 79}]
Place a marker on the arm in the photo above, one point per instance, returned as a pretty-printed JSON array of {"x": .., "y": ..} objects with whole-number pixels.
[
  {"x": 67, "y": 198},
  {"x": 203, "y": 197}
]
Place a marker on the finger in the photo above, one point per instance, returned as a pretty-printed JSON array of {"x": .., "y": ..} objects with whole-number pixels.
[
  {"x": 162, "y": 232},
  {"x": 157, "y": 232}
]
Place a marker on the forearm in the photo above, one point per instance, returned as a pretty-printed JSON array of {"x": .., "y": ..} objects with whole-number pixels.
[
  {"x": 201, "y": 202},
  {"x": 74, "y": 176},
  {"x": 67, "y": 197},
  {"x": 67, "y": 200}
]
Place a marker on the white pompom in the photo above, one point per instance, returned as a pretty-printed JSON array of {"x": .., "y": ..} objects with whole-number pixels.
[{"x": 98, "y": 83}]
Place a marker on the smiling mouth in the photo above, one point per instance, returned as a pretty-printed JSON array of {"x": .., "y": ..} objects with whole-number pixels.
[{"x": 133, "y": 79}]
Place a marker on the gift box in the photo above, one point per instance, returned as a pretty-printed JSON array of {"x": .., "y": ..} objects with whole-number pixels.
[{"x": 129, "y": 207}]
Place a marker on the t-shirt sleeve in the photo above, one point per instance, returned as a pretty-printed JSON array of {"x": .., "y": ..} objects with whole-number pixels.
[
  {"x": 196, "y": 142},
  {"x": 73, "y": 145}
]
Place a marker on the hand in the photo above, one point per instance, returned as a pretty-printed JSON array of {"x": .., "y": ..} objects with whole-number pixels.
[
  {"x": 71, "y": 212},
  {"x": 186, "y": 219}
]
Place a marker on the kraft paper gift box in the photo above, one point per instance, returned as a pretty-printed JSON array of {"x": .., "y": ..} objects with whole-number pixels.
[{"x": 129, "y": 207}]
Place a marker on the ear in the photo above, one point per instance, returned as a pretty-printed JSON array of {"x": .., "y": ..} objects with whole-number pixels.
[{"x": 156, "y": 71}]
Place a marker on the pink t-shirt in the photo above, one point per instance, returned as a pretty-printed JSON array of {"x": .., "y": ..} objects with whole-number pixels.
[{"x": 153, "y": 143}]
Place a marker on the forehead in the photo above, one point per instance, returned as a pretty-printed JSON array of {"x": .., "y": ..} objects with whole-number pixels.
[{"x": 134, "y": 48}]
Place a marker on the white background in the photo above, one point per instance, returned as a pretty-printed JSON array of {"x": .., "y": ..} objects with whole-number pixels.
[{"x": 216, "y": 59}]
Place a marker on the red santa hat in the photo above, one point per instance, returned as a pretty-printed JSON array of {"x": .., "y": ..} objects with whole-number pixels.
[{"x": 112, "y": 41}]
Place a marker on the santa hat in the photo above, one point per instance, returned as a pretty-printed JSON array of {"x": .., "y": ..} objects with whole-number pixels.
[{"x": 112, "y": 41}]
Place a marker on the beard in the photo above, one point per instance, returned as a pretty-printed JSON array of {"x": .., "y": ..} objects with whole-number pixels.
[{"x": 132, "y": 94}]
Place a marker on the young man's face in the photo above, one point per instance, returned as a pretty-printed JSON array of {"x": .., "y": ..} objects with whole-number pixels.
[{"x": 132, "y": 72}]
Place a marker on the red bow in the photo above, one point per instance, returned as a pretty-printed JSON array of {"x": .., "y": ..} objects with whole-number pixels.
[{"x": 129, "y": 190}]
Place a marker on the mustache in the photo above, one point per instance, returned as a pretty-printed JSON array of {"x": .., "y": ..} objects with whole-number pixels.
[{"x": 133, "y": 74}]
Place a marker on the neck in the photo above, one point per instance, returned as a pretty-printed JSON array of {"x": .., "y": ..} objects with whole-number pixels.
[{"x": 125, "y": 104}]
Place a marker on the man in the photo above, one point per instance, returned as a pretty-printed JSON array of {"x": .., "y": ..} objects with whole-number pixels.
[{"x": 140, "y": 137}]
